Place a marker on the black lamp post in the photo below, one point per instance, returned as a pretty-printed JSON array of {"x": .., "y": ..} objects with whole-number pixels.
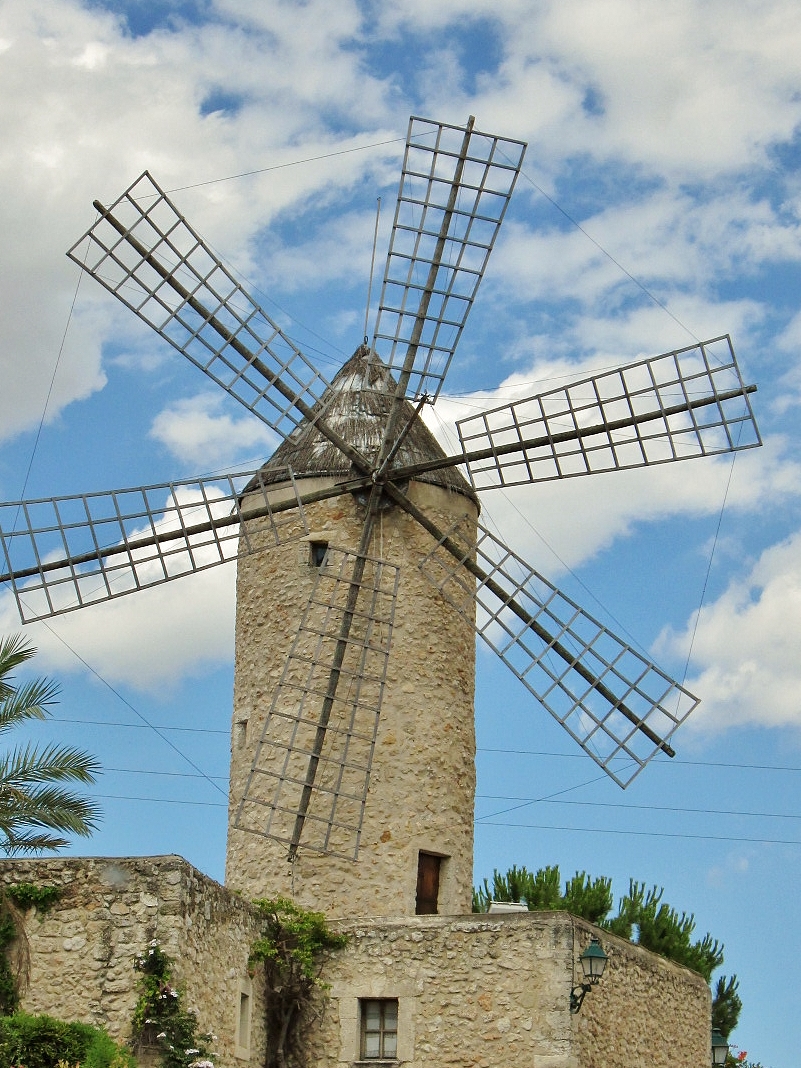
[{"x": 593, "y": 962}]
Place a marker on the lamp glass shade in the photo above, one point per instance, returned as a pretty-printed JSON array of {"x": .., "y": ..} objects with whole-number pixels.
[
  {"x": 593, "y": 961},
  {"x": 720, "y": 1048}
]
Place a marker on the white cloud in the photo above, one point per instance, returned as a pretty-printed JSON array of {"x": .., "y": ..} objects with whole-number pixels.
[
  {"x": 745, "y": 648},
  {"x": 199, "y": 431},
  {"x": 149, "y": 641}
]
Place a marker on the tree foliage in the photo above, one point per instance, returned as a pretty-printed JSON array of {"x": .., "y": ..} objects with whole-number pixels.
[
  {"x": 291, "y": 948},
  {"x": 726, "y": 1005},
  {"x": 36, "y": 811},
  {"x": 589, "y": 898}
]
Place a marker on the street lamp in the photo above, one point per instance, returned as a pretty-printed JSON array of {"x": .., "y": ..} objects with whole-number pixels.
[
  {"x": 720, "y": 1047},
  {"x": 593, "y": 962}
]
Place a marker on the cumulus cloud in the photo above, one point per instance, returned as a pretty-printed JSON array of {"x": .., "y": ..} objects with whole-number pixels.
[
  {"x": 200, "y": 432},
  {"x": 745, "y": 646},
  {"x": 150, "y": 640}
]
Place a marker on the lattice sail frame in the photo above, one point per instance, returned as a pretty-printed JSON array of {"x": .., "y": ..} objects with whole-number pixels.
[
  {"x": 682, "y": 404},
  {"x": 63, "y": 553},
  {"x": 614, "y": 740},
  {"x": 272, "y": 797},
  {"x": 441, "y": 282},
  {"x": 160, "y": 268}
]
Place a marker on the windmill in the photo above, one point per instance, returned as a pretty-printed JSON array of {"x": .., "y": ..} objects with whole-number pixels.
[{"x": 364, "y": 570}]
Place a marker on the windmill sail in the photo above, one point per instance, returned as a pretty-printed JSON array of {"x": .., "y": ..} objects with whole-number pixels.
[
  {"x": 686, "y": 403},
  {"x": 618, "y": 706},
  {"x": 454, "y": 190},
  {"x": 340, "y": 750},
  {"x": 143, "y": 251},
  {"x": 64, "y": 553}
]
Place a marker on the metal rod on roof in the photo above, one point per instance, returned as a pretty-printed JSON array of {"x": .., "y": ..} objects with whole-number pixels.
[{"x": 372, "y": 269}]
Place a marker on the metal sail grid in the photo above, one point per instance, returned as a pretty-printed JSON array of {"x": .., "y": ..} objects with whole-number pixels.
[
  {"x": 341, "y": 751},
  {"x": 63, "y": 553},
  {"x": 615, "y": 703},
  {"x": 682, "y": 404},
  {"x": 429, "y": 287},
  {"x": 145, "y": 253}
]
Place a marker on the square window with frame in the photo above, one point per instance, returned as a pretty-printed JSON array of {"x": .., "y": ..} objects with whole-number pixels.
[{"x": 379, "y": 1029}]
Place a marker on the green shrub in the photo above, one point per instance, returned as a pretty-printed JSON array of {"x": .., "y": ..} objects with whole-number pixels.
[{"x": 42, "y": 1041}]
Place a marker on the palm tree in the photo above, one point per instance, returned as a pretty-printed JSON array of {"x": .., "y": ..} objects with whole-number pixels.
[{"x": 35, "y": 814}]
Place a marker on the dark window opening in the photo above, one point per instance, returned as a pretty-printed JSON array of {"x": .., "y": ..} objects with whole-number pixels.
[
  {"x": 318, "y": 551},
  {"x": 379, "y": 1029},
  {"x": 428, "y": 867},
  {"x": 243, "y": 1037}
]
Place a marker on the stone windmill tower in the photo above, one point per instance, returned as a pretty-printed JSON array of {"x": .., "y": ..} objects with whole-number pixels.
[
  {"x": 364, "y": 569},
  {"x": 415, "y": 836}
]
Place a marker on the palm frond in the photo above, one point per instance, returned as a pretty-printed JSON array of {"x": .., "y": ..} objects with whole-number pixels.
[
  {"x": 14, "y": 651},
  {"x": 30, "y": 701},
  {"x": 49, "y": 807},
  {"x": 30, "y": 843},
  {"x": 53, "y": 763},
  {"x": 35, "y": 814}
]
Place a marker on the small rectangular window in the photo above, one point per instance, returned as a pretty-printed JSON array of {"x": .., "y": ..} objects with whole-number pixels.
[
  {"x": 379, "y": 1029},
  {"x": 428, "y": 866},
  {"x": 243, "y": 1036},
  {"x": 318, "y": 550}
]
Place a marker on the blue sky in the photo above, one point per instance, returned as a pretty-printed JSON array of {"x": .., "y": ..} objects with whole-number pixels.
[{"x": 659, "y": 203}]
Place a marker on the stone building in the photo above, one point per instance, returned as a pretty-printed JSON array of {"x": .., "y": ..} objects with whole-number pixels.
[{"x": 421, "y": 982}]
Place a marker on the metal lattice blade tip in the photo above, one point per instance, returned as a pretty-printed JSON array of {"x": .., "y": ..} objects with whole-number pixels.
[
  {"x": 310, "y": 772},
  {"x": 143, "y": 251},
  {"x": 687, "y": 403},
  {"x": 455, "y": 187},
  {"x": 64, "y": 553},
  {"x": 618, "y": 706}
]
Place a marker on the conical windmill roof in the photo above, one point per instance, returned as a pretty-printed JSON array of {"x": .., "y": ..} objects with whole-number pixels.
[{"x": 357, "y": 406}]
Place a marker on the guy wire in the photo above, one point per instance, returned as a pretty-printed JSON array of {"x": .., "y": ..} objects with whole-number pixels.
[{"x": 372, "y": 267}]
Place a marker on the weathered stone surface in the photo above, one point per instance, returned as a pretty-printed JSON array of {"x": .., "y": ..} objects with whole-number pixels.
[
  {"x": 82, "y": 949},
  {"x": 472, "y": 990},
  {"x": 497, "y": 994}
]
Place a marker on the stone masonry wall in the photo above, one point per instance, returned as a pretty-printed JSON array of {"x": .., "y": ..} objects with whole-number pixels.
[
  {"x": 494, "y": 992},
  {"x": 645, "y": 1010},
  {"x": 423, "y": 771},
  {"x": 475, "y": 991},
  {"x": 82, "y": 948}
]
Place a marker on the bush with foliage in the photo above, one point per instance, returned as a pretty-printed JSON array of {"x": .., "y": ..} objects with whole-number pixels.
[
  {"x": 44, "y": 1042},
  {"x": 160, "y": 1018},
  {"x": 291, "y": 948}
]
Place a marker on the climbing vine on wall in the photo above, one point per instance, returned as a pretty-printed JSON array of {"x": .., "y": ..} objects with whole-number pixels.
[
  {"x": 291, "y": 948},
  {"x": 15, "y": 901}
]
